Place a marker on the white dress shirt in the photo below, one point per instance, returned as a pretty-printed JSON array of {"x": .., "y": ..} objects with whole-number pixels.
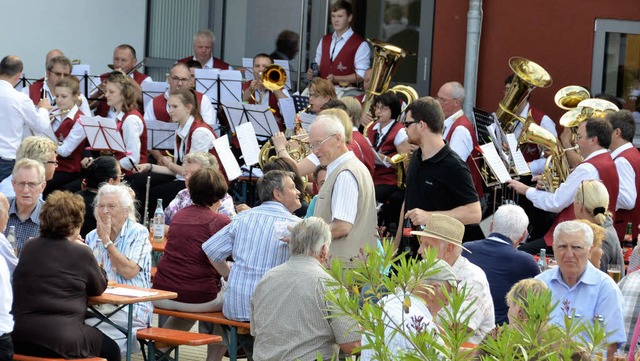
[
  {"x": 461, "y": 141},
  {"x": 74, "y": 138},
  {"x": 566, "y": 192},
  {"x": 361, "y": 61},
  {"x": 344, "y": 198},
  {"x": 131, "y": 132},
  {"x": 17, "y": 113},
  {"x": 401, "y": 136},
  {"x": 112, "y": 112},
  {"x": 206, "y": 111},
  {"x": 627, "y": 193},
  {"x": 201, "y": 139},
  {"x": 6, "y": 298},
  {"x": 536, "y": 166}
]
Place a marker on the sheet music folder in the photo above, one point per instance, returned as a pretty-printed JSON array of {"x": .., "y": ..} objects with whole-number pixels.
[{"x": 102, "y": 133}]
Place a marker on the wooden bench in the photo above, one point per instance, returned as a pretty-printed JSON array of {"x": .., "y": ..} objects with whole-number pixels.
[
  {"x": 17, "y": 357},
  {"x": 154, "y": 270},
  {"x": 232, "y": 328},
  {"x": 173, "y": 338}
]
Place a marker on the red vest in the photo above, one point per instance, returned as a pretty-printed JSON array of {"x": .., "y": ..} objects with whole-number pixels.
[
  {"x": 103, "y": 109},
  {"x": 363, "y": 151},
  {"x": 217, "y": 63},
  {"x": 463, "y": 121},
  {"x": 70, "y": 164},
  {"x": 608, "y": 174},
  {"x": 197, "y": 123},
  {"x": 382, "y": 174},
  {"x": 160, "y": 107},
  {"x": 624, "y": 216},
  {"x": 273, "y": 104},
  {"x": 35, "y": 91},
  {"x": 531, "y": 151},
  {"x": 143, "y": 139},
  {"x": 342, "y": 63}
]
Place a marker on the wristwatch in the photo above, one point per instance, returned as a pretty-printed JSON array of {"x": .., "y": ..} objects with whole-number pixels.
[{"x": 107, "y": 245}]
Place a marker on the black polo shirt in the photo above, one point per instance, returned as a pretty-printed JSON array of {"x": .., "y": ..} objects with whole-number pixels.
[{"x": 440, "y": 183}]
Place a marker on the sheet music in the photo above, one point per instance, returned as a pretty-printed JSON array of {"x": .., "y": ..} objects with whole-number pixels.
[
  {"x": 128, "y": 292},
  {"x": 151, "y": 89},
  {"x": 248, "y": 143},
  {"x": 522, "y": 168},
  {"x": 102, "y": 133},
  {"x": 288, "y": 111},
  {"x": 306, "y": 119},
  {"x": 230, "y": 84},
  {"x": 161, "y": 135},
  {"x": 264, "y": 122},
  {"x": 206, "y": 82},
  {"x": 228, "y": 161},
  {"x": 494, "y": 162},
  {"x": 79, "y": 71}
]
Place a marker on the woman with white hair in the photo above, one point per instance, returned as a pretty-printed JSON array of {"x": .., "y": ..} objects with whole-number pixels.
[
  {"x": 122, "y": 246},
  {"x": 590, "y": 203}
]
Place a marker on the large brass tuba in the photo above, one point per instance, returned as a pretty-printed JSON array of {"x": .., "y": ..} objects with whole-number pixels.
[
  {"x": 401, "y": 160},
  {"x": 385, "y": 63},
  {"x": 528, "y": 76}
]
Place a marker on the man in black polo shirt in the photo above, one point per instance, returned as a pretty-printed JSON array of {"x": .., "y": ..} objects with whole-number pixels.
[{"x": 438, "y": 181}]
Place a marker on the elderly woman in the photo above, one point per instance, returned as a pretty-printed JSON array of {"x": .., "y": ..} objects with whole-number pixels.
[
  {"x": 192, "y": 163},
  {"x": 101, "y": 170},
  {"x": 184, "y": 268},
  {"x": 590, "y": 203},
  {"x": 52, "y": 282},
  {"x": 124, "y": 248}
]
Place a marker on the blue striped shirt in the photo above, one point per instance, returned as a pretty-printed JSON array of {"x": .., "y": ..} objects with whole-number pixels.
[
  {"x": 250, "y": 238},
  {"x": 133, "y": 243},
  {"x": 30, "y": 228}
]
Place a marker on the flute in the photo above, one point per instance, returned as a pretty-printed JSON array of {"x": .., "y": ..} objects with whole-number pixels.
[{"x": 145, "y": 221}]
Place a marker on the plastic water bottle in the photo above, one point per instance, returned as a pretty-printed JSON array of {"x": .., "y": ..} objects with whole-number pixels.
[
  {"x": 542, "y": 261},
  {"x": 12, "y": 239},
  {"x": 158, "y": 222}
]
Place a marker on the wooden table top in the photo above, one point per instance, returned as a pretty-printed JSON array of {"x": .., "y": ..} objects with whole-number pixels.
[
  {"x": 158, "y": 246},
  {"x": 107, "y": 298}
]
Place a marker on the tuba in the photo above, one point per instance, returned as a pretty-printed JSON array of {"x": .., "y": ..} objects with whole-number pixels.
[
  {"x": 401, "y": 160},
  {"x": 385, "y": 63},
  {"x": 528, "y": 76}
]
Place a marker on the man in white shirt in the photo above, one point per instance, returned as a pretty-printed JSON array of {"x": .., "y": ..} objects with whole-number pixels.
[
  {"x": 6, "y": 319},
  {"x": 343, "y": 56},
  {"x": 16, "y": 113},
  {"x": 6, "y": 250}
]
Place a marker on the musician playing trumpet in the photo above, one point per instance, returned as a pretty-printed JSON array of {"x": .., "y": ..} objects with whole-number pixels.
[{"x": 254, "y": 91}]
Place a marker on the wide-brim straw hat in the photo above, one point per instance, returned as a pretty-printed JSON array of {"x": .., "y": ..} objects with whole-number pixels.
[{"x": 445, "y": 228}]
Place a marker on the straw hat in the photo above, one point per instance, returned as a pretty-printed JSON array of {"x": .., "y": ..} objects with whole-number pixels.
[{"x": 444, "y": 228}]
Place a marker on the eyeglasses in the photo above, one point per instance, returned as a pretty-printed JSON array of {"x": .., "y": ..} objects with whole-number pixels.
[
  {"x": 30, "y": 185},
  {"x": 408, "y": 124},
  {"x": 52, "y": 162},
  {"x": 318, "y": 145},
  {"x": 381, "y": 107},
  {"x": 444, "y": 100},
  {"x": 62, "y": 75},
  {"x": 178, "y": 79},
  {"x": 120, "y": 177}
]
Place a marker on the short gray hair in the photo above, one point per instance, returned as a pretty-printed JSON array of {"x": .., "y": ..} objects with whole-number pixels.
[
  {"x": 26, "y": 163},
  {"x": 126, "y": 198},
  {"x": 204, "y": 159},
  {"x": 309, "y": 236},
  {"x": 510, "y": 221},
  {"x": 204, "y": 33},
  {"x": 331, "y": 125},
  {"x": 457, "y": 90},
  {"x": 574, "y": 228},
  {"x": 272, "y": 180}
]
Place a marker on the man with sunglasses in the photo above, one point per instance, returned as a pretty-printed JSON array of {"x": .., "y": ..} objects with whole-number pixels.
[
  {"x": 438, "y": 181},
  {"x": 594, "y": 139},
  {"x": 58, "y": 68}
]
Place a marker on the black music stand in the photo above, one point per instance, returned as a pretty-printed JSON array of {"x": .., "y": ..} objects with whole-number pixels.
[
  {"x": 300, "y": 102},
  {"x": 161, "y": 135},
  {"x": 483, "y": 120},
  {"x": 260, "y": 116}
]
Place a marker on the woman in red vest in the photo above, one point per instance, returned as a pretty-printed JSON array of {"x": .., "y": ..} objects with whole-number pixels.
[
  {"x": 70, "y": 136},
  {"x": 120, "y": 94},
  {"x": 192, "y": 135}
]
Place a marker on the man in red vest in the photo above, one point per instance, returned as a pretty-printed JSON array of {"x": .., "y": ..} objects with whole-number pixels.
[
  {"x": 594, "y": 139},
  {"x": 58, "y": 67},
  {"x": 627, "y": 160},
  {"x": 124, "y": 59},
  {"x": 458, "y": 131},
  {"x": 343, "y": 56},
  {"x": 203, "y": 43}
]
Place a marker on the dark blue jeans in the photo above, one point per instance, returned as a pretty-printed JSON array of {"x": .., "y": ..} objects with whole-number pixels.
[
  {"x": 6, "y": 347},
  {"x": 6, "y": 167}
]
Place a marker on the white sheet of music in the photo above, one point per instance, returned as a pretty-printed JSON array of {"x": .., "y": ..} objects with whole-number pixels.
[
  {"x": 228, "y": 161},
  {"x": 495, "y": 162},
  {"x": 161, "y": 135},
  {"x": 151, "y": 89},
  {"x": 306, "y": 119},
  {"x": 522, "y": 168},
  {"x": 80, "y": 70},
  {"x": 248, "y": 143},
  {"x": 288, "y": 111},
  {"x": 102, "y": 133}
]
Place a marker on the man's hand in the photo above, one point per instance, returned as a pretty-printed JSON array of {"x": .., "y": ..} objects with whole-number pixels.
[
  {"x": 517, "y": 186},
  {"x": 417, "y": 216},
  {"x": 44, "y": 103},
  {"x": 279, "y": 142},
  {"x": 309, "y": 74}
]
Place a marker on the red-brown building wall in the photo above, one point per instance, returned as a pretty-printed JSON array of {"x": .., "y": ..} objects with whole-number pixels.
[{"x": 558, "y": 35}]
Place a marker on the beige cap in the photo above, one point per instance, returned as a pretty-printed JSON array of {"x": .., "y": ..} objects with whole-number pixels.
[
  {"x": 444, "y": 273},
  {"x": 445, "y": 228}
]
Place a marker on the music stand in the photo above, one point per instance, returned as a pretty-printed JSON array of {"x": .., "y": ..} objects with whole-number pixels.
[
  {"x": 152, "y": 89},
  {"x": 260, "y": 116},
  {"x": 161, "y": 135},
  {"x": 300, "y": 102},
  {"x": 219, "y": 85},
  {"x": 102, "y": 133},
  {"x": 483, "y": 120}
]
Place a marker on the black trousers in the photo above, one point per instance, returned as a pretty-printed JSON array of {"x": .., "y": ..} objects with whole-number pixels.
[{"x": 6, "y": 347}]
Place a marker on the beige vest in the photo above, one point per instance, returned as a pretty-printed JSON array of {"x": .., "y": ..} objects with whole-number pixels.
[{"x": 364, "y": 229}]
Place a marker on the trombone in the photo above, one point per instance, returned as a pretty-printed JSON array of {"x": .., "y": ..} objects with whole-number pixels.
[{"x": 98, "y": 95}]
